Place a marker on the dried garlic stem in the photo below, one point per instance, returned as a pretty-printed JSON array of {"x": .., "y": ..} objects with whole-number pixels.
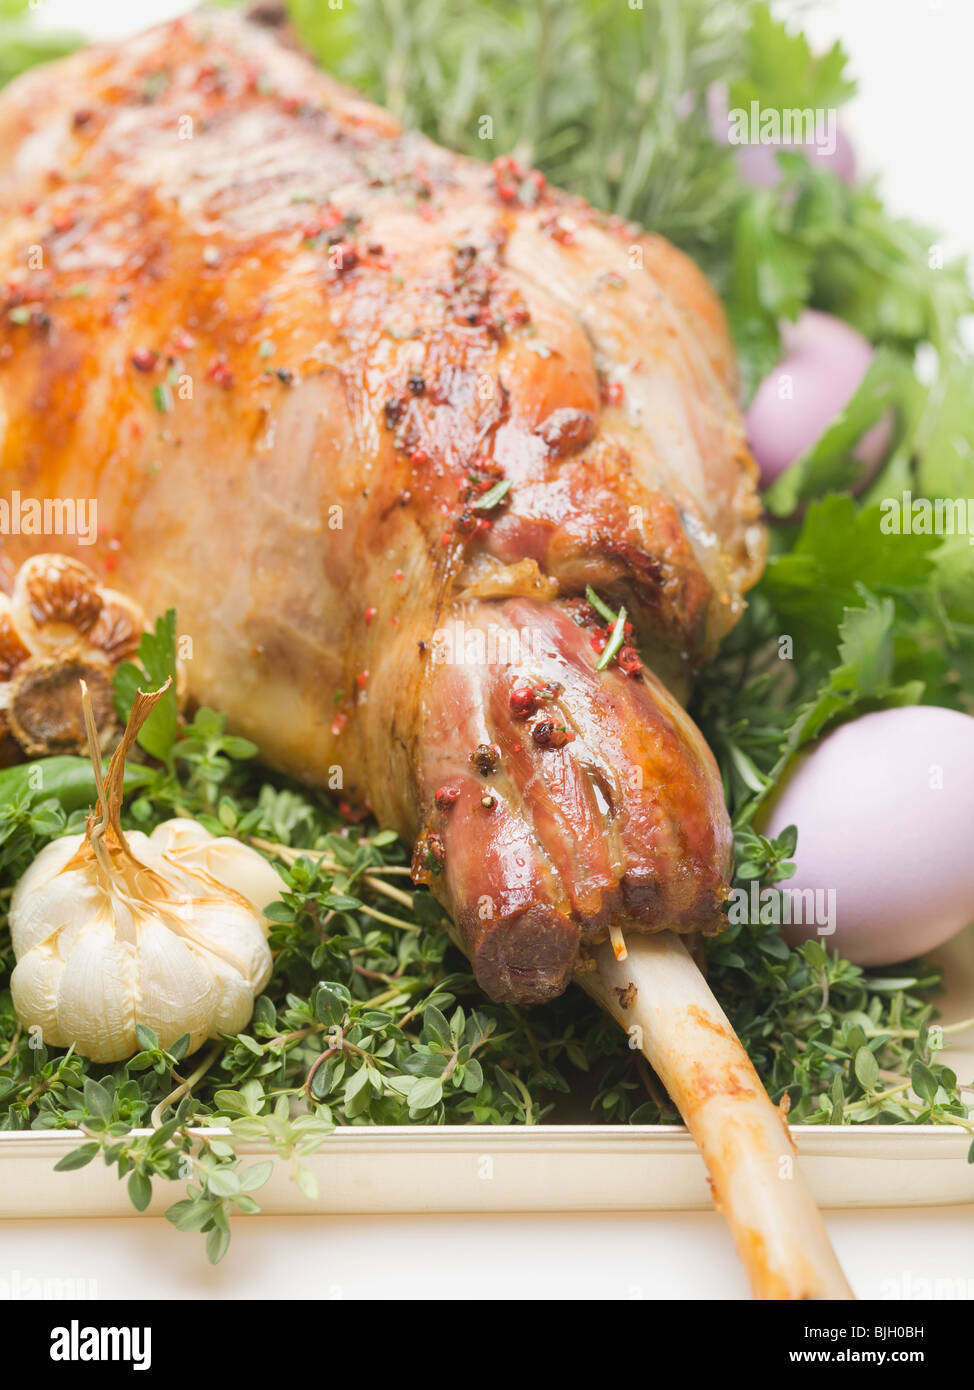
[
  {"x": 95, "y": 828},
  {"x": 142, "y": 707},
  {"x": 110, "y": 790}
]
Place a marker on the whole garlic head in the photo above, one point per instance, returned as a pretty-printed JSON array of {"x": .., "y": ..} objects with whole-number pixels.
[
  {"x": 59, "y": 623},
  {"x": 111, "y": 929},
  {"x": 171, "y": 936}
]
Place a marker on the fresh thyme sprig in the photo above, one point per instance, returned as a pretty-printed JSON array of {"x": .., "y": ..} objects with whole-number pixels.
[{"x": 367, "y": 1022}]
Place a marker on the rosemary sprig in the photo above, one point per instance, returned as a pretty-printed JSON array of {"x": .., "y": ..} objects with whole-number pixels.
[
  {"x": 616, "y": 639},
  {"x": 600, "y": 605}
]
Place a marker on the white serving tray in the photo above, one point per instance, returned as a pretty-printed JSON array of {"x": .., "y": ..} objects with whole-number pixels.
[
  {"x": 454, "y": 1168},
  {"x": 508, "y": 1169}
]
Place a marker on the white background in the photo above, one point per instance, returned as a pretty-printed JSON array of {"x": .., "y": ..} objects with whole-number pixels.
[{"x": 911, "y": 123}]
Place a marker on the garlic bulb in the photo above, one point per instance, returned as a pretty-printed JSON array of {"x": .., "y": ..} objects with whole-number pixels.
[
  {"x": 59, "y": 624},
  {"x": 110, "y": 930}
]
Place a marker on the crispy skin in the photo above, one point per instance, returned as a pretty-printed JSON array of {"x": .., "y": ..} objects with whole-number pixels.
[{"x": 184, "y": 198}]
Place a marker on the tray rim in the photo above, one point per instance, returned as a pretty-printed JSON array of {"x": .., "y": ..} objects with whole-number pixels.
[
  {"x": 836, "y": 1140},
  {"x": 377, "y": 1170}
]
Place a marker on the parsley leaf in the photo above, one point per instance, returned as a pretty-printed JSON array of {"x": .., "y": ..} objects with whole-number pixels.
[
  {"x": 838, "y": 548},
  {"x": 866, "y": 648},
  {"x": 782, "y": 70},
  {"x": 156, "y": 664}
]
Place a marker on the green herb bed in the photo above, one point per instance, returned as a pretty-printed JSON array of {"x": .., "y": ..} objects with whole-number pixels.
[{"x": 372, "y": 1017}]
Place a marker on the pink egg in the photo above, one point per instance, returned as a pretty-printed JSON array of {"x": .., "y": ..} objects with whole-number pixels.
[
  {"x": 759, "y": 165},
  {"x": 823, "y": 365},
  {"x": 885, "y": 812},
  {"x": 842, "y": 161},
  {"x": 760, "y": 168}
]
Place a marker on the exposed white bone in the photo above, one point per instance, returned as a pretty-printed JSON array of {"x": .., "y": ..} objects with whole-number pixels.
[{"x": 745, "y": 1142}]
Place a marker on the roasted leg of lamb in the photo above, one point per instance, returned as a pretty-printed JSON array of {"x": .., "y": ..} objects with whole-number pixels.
[{"x": 376, "y": 419}]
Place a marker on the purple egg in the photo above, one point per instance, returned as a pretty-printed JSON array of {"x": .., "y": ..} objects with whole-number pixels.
[
  {"x": 885, "y": 809},
  {"x": 759, "y": 165},
  {"x": 842, "y": 161},
  {"x": 760, "y": 168},
  {"x": 823, "y": 365}
]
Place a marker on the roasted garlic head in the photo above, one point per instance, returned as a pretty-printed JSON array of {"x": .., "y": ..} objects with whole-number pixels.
[{"x": 59, "y": 626}]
